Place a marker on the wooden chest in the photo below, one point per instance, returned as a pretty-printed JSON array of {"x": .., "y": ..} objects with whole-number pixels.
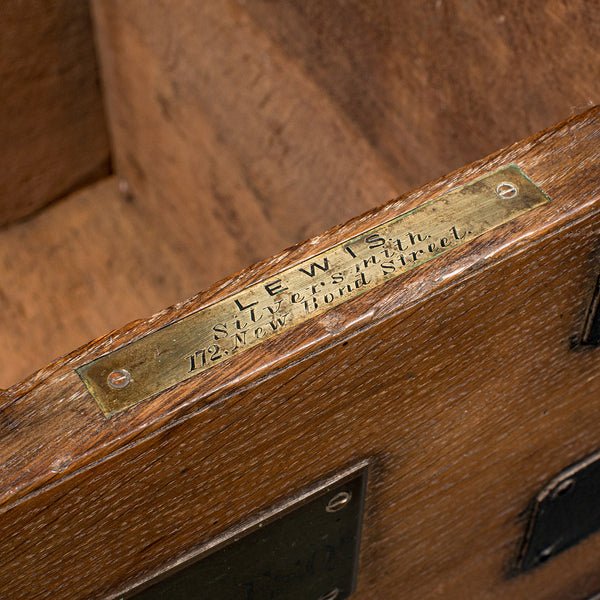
[{"x": 438, "y": 352}]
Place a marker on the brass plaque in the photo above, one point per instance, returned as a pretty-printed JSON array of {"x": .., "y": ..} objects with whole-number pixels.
[
  {"x": 214, "y": 334},
  {"x": 306, "y": 548}
]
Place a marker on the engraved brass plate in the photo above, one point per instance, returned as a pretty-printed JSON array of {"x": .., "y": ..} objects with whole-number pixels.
[
  {"x": 306, "y": 548},
  {"x": 217, "y": 333}
]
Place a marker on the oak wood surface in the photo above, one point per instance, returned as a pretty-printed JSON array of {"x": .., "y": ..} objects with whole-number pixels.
[
  {"x": 52, "y": 126},
  {"x": 271, "y": 121},
  {"x": 461, "y": 380}
]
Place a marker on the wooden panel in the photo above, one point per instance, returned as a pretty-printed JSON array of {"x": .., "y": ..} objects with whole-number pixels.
[
  {"x": 52, "y": 127},
  {"x": 461, "y": 380},
  {"x": 274, "y": 120}
]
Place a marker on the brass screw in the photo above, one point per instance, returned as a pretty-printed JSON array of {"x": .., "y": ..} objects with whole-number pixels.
[
  {"x": 338, "y": 502},
  {"x": 119, "y": 379},
  {"x": 507, "y": 190},
  {"x": 546, "y": 553},
  {"x": 564, "y": 487}
]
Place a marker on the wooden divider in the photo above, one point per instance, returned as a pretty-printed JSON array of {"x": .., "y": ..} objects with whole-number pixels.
[{"x": 52, "y": 125}]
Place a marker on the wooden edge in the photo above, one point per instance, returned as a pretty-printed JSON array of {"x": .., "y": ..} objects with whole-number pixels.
[{"x": 52, "y": 427}]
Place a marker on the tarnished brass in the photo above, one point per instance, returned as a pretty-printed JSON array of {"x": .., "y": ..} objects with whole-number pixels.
[
  {"x": 294, "y": 551},
  {"x": 217, "y": 333}
]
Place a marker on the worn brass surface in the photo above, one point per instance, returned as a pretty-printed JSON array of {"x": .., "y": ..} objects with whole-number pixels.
[
  {"x": 217, "y": 333},
  {"x": 308, "y": 547}
]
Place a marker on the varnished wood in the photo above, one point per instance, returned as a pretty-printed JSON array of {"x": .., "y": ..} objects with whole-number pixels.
[
  {"x": 271, "y": 121},
  {"x": 461, "y": 380},
  {"x": 52, "y": 127}
]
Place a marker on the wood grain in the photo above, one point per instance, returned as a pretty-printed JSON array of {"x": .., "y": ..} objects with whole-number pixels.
[
  {"x": 271, "y": 121},
  {"x": 52, "y": 126},
  {"x": 461, "y": 381}
]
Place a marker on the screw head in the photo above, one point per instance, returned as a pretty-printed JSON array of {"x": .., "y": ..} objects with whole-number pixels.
[
  {"x": 563, "y": 488},
  {"x": 338, "y": 502},
  {"x": 119, "y": 379},
  {"x": 546, "y": 553},
  {"x": 507, "y": 190}
]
